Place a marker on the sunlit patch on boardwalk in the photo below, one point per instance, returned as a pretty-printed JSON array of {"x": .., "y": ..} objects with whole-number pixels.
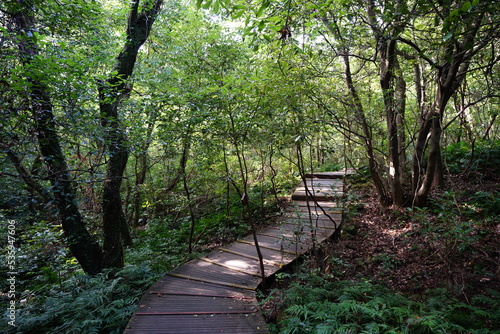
[{"x": 216, "y": 293}]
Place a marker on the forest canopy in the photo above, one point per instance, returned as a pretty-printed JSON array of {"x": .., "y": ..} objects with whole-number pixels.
[{"x": 120, "y": 120}]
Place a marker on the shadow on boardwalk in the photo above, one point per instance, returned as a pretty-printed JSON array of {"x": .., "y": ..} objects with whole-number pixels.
[{"x": 216, "y": 293}]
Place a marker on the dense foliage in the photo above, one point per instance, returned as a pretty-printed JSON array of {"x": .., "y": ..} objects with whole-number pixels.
[{"x": 130, "y": 132}]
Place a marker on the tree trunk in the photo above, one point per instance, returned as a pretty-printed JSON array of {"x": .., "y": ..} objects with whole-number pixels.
[
  {"x": 384, "y": 197},
  {"x": 111, "y": 92},
  {"x": 386, "y": 46},
  {"x": 32, "y": 185},
  {"x": 140, "y": 178},
  {"x": 456, "y": 58},
  {"x": 366, "y": 137},
  {"x": 400, "y": 106},
  {"x": 85, "y": 249},
  {"x": 432, "y": 161},
  {"x": 387, "y": 63},
  {"x": 418, "y": 153}
]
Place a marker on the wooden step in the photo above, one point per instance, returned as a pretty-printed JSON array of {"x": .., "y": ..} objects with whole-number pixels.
[{"x": 325, "y": 175}]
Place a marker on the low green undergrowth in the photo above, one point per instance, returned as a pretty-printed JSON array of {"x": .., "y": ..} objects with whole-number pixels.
[
  {"x": 99, "y": 304},
  {"x": 317, "y": 305},
  {"x": 476, "y": 156}
]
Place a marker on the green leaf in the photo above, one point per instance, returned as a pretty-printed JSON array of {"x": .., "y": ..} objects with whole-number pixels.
[
  {"x": 275, "y": 19},
  {"x": 239, "y": 14},
  {"x": 454, "y": 13},
  {"x": 207, "y": 4},
  {"x": 261, "y": 9},
  {"x": 448, "y": 36},
  {"x": 466, "y": 6},
  {"x": 262, "y": 25}
]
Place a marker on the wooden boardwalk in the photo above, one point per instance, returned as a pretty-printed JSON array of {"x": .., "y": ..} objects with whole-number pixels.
[{"x": 216, "y": 293}]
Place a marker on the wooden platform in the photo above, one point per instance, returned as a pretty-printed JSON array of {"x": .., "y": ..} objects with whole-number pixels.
[{"x": 216, "y": 293}]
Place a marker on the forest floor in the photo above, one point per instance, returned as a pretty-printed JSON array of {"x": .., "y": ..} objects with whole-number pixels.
[{"x": 452, "y": 244}]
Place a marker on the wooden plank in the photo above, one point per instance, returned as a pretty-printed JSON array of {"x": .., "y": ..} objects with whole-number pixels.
[
  {"x": 167, "y": 304},
  {"x": 285, "y": 245},
  {"x": 321, "y": 227},
  {"x": 272, "y": 255},
  {"x": 319, "y": 183},
  {"x": 326, "y": 175},
  {"x": 291, "y": 232},
  {"x": 320, "y": 191},
  {"x": 319, "y": 223},
  {"x": 198, "y": 324},
  {"x": 306, "y": 216},
  {"x": 315, "y": 210},
  {"x": 330, "y": 175},
  {"x": 305, "y": 237},
  {"x": 319, "y": 196},
  {"x": 203, "y": 271},
  {"x": 312, "y": 204},
  {"x": 322, "y": 181},
  {"x": 239, "y": 262},
  {"x": 178, "y": 295},
  {"x": 169, "y": 284},
  {"x": 313, "y": 186}
]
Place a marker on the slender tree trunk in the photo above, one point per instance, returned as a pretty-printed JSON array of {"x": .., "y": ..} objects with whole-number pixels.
[
  {"x": 386, "y": 46},
  {"x": 418, "y": 153},
  {"x": 400, "y": 106},
  {"x": 113, "y": 215},
  {"x": 140, "y": 178},
  {"x": 185, "y": 153},
  {"x": 490, "y": 126},
  {"x": 273, "y": 175},
  {"x": 366, "y": 137},
  {"x": 141, "y": 173},
  {"x": 32, "y": 185},
  {"x": 387, "y": 63},
  {"x": 417, "y": 162},
  {"x": 432, "y": 161},
  {"x": 302, "y": 172},
  {"x": 247, "y": 215},
  {"x": 191, "y": 211}
]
